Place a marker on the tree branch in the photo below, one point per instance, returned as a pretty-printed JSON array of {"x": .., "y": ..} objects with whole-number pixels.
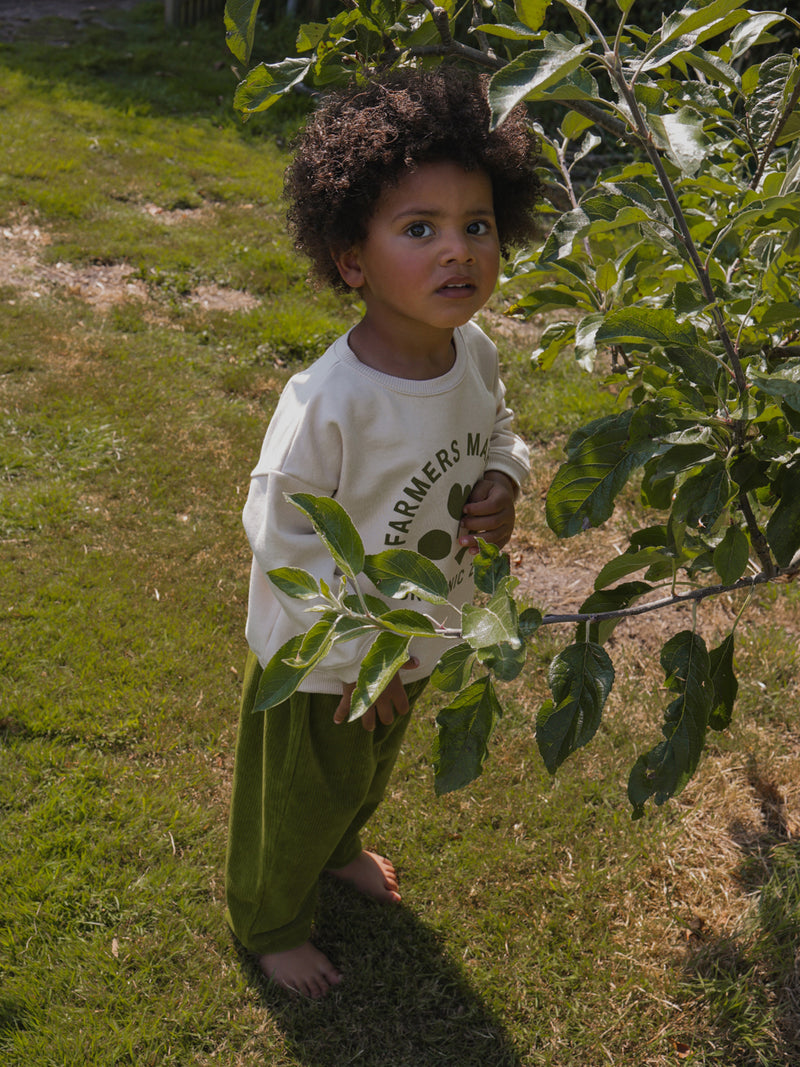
[
  {"x": 455, "y": 48},
  {"x": 685, "y": 232},
  {"x": 440, "y": 20},
  {"x": 678, "y": 598},
  {"x": 604, "y": 121},
  {"x": 756, "y": 535}
]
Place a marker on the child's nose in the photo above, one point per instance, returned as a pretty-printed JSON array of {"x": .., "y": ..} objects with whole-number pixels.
[{"x": 457, "y": 249}]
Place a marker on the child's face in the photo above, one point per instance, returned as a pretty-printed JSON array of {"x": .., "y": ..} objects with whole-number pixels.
[{"x": 431, "y": 256}]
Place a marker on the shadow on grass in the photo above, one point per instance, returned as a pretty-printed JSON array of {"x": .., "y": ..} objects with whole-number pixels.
[
  {"x": 751, "y": 980},
  {"x": 402, "y": 1002}
]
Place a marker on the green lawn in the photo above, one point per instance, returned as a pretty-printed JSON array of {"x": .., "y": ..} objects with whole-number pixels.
[{"x": 540, "y": 925}]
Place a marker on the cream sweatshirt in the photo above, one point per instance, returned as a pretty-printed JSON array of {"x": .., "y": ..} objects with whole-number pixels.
[{"x": 401, "y": 456}]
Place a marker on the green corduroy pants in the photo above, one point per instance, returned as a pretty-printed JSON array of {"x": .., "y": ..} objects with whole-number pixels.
[{"x": 303, "y": 788}]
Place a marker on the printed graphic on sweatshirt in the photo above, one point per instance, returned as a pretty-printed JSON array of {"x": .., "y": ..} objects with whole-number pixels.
[{"x": 436, "y": 544}]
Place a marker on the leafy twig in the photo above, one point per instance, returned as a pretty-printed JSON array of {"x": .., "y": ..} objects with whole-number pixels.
[
  {"x": 685, "y": 233},
  {"x": 694, "y": 595},
  {"x": 773, "y": 141}
]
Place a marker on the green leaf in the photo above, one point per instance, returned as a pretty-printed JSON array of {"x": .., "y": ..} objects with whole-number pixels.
[
  {"x": 549, "y": 297},
  {"x": 567, "y": 228},
  {"x": 555, "y": 337},
  {"x": 704, "y": 497},
  {"x": 529, "y": 622},
  {"x": 780, "y": 213},
  {"x": 644, "y": 327},
  {"x": 599, "y": 213},
  {"x": 585, "y": 339},
  {"x": 506, "y": 661},
  {"x": 685, "y": 661},
  {"x": 398, "y": 572},
  {"x": 515, "y": 31},
  {"x": 280, "y": 679},
  {"x": 628, "y": 563},
  {"x": 725, "y": 686},
  {"x": 691, "y": 26},
  {"x": 267, "y": 83},
  {"x": 295, "y": 582},
  {"x": 527, "y": 76},
  {"x": 695, "y": 16},
  {"x": 769, "y": 96},
  {"x": 783, "y": 382},
  {"x": 782, "y": 313},
  {"x": 531, "y": 12},
  {"x": 452, "y": 671},
  {"x": 688, "y": 296},
  {"x": 374, "y": 604},
  {"x": 731, "y": 555},
  {"x": 661, "y": 472},
  {"x": 483, "y": 627},
  {"x": 663, "y": 772},
  {"x": 638, "y": 193},
  {"x": 783, "y": 528},
  {"x": 606, "y": 276},
  {"x": 465, "y": 726},
  {"x": 601, "y": 459},
  {"x": 382, "y": 662},
  {"x": 681, "y": 135},
  {"x": 573, "y": 125},
  {"x": 580, "y": 678},
  {"x": 490, "y": 566},
  {"x": 714, "y": 68},
  {"x": 309, "y": 35},
  {"x": 240, "y": 27},
  {"x": 348, "y": 629},
  {"x": 315, "y": 646},
  {"x": 334, "y": 528},
  {"x": 698, "y": 365},
  {"x": 408, "y": 622},
  {"x": 746, "y": 34},
  {"x": 579, "y": 85}
]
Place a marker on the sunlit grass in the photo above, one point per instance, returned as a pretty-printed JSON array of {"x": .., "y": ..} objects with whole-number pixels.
[{"x": 540, "y": 926}]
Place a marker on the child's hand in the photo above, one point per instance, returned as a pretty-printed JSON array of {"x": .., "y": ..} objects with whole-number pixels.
[
  {"x": 489, "y": 512},
  {"x": 392, "y": 701}
]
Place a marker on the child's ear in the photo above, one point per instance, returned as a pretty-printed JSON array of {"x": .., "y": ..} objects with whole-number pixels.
[{"x": 349, "y": 266}]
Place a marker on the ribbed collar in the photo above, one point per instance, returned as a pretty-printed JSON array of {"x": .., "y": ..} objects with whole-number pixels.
[{"x": 408, "y": 386}]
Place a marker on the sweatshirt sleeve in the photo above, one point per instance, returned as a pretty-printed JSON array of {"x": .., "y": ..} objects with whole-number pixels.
[
  {"x": 301, "y": 454},
  {"x": 280, "y": 535},
  {"x": 508, "y": 453}
]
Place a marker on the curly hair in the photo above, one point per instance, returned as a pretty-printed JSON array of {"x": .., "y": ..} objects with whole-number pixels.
[{"x": 365, "y": 138}]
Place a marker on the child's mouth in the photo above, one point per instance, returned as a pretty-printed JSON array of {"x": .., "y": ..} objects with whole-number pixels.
[{"x": 457, "y": 289}]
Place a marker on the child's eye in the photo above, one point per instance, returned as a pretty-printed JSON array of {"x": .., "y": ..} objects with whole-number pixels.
[
  {"x": 478, "y": 228},
  {"x": 419, "y": 229}
]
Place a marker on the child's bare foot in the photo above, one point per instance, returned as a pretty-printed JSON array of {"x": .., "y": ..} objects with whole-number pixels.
[
  {"x": 304, "y": 970},
  {"x": 371, "y": 874}
]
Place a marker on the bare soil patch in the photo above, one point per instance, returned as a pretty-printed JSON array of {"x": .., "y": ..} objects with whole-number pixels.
[{"x": 101, "y": 285}]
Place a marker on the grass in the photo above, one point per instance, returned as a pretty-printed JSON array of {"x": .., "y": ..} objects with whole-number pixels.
[{"x": 540, "y": 926}]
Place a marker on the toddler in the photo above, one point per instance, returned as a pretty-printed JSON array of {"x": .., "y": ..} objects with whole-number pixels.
[{"x": 400, "y": 194}]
